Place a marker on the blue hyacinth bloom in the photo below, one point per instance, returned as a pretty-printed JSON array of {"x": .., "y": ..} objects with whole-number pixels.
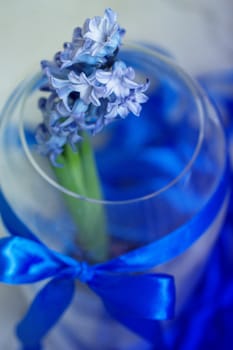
[{"x": 89, "y": 86}]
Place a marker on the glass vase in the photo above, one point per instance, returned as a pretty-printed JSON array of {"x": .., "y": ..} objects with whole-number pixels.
[{"x": 157, "y": 173}]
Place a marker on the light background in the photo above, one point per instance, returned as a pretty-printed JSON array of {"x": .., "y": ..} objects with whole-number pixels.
[{"x": 197, "y": 32}]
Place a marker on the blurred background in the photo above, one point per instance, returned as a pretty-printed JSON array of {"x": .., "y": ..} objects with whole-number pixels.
[{"x": 197, "y": 32}]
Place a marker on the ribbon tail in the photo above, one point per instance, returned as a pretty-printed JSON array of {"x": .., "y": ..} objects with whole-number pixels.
[{"x": 45, "y": 311}]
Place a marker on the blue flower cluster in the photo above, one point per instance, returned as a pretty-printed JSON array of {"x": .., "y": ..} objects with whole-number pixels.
[{"x": 89, "y": 86}]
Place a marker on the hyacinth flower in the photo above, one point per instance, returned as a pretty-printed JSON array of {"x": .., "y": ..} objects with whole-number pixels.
[{"x": 88, "y": 87}]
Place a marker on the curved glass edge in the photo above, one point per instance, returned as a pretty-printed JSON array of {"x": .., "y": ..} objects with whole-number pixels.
[{"x": 32, "y": 84}]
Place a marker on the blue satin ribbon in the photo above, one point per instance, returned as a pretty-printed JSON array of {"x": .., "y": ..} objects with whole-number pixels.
[{"x": 144, "y": 297}]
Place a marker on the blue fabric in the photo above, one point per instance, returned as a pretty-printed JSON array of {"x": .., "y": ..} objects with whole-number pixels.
[{"x": 206, "y": 320}]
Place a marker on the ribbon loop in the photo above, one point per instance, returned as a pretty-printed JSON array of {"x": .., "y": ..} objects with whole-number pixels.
[{"x": 145, "y": 296}]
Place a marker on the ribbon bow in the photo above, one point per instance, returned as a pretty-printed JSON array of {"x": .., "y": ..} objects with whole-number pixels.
[{"x": 135, "y": 300}]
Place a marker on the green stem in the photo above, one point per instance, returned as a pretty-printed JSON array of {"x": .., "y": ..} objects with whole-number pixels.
[{"x": 79, "y": 175}]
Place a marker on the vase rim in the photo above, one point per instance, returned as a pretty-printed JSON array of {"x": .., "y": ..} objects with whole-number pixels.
[{"x": 199, "y": 103}]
